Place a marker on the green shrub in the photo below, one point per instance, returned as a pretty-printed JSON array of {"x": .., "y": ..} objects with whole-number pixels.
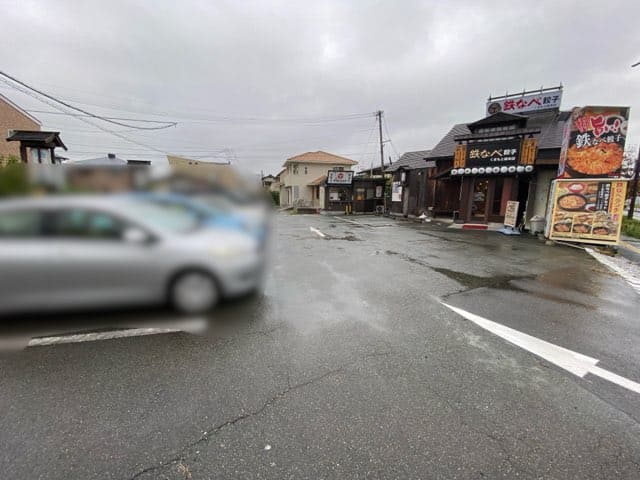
[
  {"x": 276, "y": 198},
  {"x": 14, "y": 179},
  {"x": 631, "y": 227}
]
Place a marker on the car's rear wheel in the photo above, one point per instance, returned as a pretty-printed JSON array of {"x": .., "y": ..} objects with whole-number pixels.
[{"x": 193, "y": 292}]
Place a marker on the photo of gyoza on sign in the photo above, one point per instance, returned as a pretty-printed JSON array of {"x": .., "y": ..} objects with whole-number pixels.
[
  {"x": 588, "y": 211},
  {"x": 593, "y": 142}
]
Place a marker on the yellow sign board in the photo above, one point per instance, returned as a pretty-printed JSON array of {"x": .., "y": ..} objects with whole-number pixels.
[{"x": 587, "y": 210}]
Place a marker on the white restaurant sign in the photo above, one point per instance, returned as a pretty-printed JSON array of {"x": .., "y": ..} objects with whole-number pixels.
[
  {"x": 339, "y": 177},
  {"x": 525, "y": 103}
]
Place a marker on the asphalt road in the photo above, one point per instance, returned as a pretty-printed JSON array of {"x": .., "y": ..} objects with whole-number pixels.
[{"x": 349, "y": 366}]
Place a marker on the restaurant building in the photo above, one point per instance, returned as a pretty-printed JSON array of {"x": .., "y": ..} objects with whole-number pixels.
[
  {"x": 345, "y": 192},
  {"x": 511, "y": 154},
  {"x": 409, "y": 186}
]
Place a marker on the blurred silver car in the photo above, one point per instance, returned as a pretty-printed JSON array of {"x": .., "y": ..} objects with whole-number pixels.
[{"x": 79, "y": 252}]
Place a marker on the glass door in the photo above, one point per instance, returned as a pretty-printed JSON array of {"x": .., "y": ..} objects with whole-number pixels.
[{"x": 479, "y": 205}]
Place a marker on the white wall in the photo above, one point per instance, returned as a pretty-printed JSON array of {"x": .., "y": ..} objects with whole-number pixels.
[{"x": 543, "y": 180}]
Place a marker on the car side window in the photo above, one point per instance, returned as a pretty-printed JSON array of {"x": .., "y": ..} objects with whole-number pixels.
[
  {"x": 87, "y": 224},
  {"x": 20, "y": 224}
]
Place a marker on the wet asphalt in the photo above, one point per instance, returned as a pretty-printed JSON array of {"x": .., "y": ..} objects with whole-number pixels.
[{"x": 350, "y": 367}]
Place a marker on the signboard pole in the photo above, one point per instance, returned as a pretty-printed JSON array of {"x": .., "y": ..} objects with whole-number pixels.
[
  {"x": 379, "y": 115},
  {"x": 634, "y": 187}
]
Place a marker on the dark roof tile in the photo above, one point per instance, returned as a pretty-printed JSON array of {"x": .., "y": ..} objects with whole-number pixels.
[
  {"x": 550, "y": 123},
  {"x": 410, "y": 161}
]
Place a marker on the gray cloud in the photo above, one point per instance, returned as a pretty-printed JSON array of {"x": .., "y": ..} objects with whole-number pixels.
[{"x": 427, "y": 64}]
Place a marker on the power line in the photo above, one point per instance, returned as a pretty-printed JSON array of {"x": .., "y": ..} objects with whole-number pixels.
[
  {"x": 45, "y": 100},
  {"x": 88, "y": 114},
  {"x": 106, "y": 118},
  {"x": 217, "y": 118}
]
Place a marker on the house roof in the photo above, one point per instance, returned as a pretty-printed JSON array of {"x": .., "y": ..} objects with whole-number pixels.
[
  {"x": 498, "y": 118},
  {"x": 321, "y": 158},
  {"x": 318, "y": 181},
  {"x": 49, "y": 139},
  {"x": 108, "y": 160},
  {"x": 410, "y": 161},
  {"x": 19, "y": 109},
  {"x": 551, "y": 124}
]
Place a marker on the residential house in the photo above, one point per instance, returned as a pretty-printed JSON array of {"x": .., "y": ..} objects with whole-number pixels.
[
  {"x": 12, "y": 117},
  {"x": 268, "y": 181},
  {"x": 302, "y": 180},
  {"x": 24, "y": 140},
  {"x": 106, "y": 174}
]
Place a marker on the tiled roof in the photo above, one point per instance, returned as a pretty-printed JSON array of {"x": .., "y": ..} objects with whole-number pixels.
[
  {"x": 447, "y": 145},
  {"x": 550, "y": 123},
  {"x": 410, "y": 161},
  {"x": 318, "y": 181},
  {"x": 36, "y": 136},
  {"x": 321, "y": 157}
]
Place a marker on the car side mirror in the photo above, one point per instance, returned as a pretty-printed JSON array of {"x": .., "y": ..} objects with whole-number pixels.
[{"x": 135, "y": 235}]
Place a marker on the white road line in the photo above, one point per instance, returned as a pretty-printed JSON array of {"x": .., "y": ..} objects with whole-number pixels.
[
  {"x": 624, "y": 268},
  {"x": 191, "y": 326},
  {"x": 574, "y": 362},
  {"x": 348, "y": 220},
  {"x": 317, "y": 232}
]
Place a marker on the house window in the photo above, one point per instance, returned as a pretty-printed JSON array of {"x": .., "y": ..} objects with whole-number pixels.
[
  {"x": 305, "y": 170},
  {"x": 295, "y": 168},
  {"x": 295, "y": 192},
  {"x": 39, "y": 155}
]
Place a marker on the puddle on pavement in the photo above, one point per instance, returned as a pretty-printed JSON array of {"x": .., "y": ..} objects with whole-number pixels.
[
  {"x": 500, "y": 282},
  {"x": 505, "y": 282},
  {"x": 348, "y": 238},
  {"x": 569, "y": 278},
  {"x": 408, "y": 258}
]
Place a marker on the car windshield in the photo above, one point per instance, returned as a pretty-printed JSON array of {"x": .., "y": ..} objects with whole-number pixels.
[{"x": 170, "y": 217}]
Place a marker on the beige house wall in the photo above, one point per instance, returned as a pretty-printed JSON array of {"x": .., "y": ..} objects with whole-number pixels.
[{"x": 307, "y": 173}]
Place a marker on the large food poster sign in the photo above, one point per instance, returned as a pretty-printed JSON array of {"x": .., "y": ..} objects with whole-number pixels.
[
  {"x": 593, "y": 142},
  {"x": 588, "y": 211}
]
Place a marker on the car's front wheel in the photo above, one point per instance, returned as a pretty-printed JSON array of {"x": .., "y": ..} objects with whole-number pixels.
[{"x": 193, "y": 292}]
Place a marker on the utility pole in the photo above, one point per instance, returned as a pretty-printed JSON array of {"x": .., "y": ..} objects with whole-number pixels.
[
  {"x": 384, "y": 195},
  {"x": 634, "y": 187}
]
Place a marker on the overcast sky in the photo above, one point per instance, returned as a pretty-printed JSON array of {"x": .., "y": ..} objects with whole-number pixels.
[{"x": 267, "y": 80}]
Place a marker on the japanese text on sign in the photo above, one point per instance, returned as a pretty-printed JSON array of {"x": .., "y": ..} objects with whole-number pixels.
[{"x": 526, "y": 103}]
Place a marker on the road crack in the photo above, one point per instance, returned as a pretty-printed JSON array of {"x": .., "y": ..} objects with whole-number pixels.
[{"x": 213, "y": 431}]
